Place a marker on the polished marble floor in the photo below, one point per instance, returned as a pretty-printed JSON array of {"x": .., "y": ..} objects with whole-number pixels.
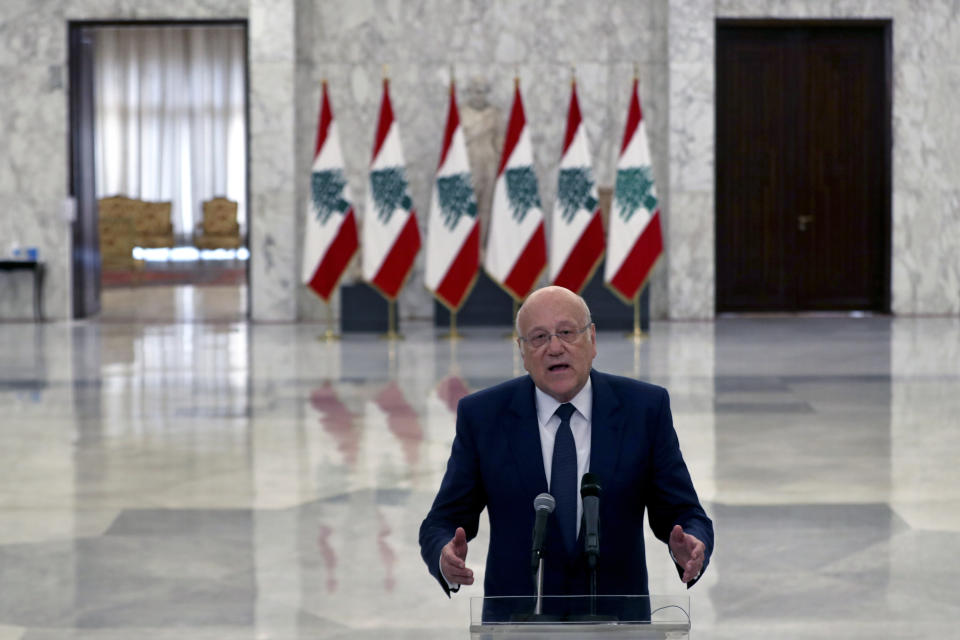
[{"x": 204, "y": 480}]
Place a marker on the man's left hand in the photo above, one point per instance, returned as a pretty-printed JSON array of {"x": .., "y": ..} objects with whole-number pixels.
[{"x": 687, "y": 552}]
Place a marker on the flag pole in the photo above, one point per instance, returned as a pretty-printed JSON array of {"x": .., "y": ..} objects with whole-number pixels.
[
  {"x": 512, "y": 336},
  {"x": 453, "y": 335},
  {"x": 392, "y": 333},
  {"x": 454, "y": 362},
  {"x": 329, "y": 335},
  {"x": 636, "y": 358},
  {"x": 637, "y": 335}
]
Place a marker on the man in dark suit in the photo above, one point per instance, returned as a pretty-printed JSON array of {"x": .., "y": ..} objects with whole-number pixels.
[{"x": 541, "y": 433}]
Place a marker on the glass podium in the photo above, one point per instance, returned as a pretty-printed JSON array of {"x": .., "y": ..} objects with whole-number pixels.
[{"x": 608, "y": 617}]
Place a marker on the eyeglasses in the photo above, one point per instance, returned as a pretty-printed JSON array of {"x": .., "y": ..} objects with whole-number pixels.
[{"x": 539, "y": 338}]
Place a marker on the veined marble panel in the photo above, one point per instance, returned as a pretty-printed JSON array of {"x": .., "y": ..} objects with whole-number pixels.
[
  {"x": 690, "y": 31},
  {"x": 691, "y": 127},
  {"x": 926, "y": 33},
  {"x": 273, "y": 252},
  {"x": 32, "y": 33},
  {"x": 155, "y": 9},
  {"x": 805, "y": 8},
  {"x": 32, "y": 186},
  {"x": 272, "y": 31},
  {"x": 691, "y": 242},
  {"x": 926, "y": 258}
]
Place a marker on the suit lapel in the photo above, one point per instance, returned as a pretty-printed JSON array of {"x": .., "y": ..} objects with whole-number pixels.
[
  {"x": 523, "y": 434},
  {"x": 606, "y": 428}
]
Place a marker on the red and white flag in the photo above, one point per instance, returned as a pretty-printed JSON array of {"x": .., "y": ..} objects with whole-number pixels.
[
  {"x": 516, "y": 243},
  {"x": 453, "y": 231},
  {"x": 330, "y": 234},
  {"x": 635, "y": 242},
  {"x": 391, "y": 238},
  {"x": 576, "y": 235}
]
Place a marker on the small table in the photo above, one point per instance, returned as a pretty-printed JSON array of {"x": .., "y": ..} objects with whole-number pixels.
[{"x": 29, "y": 265}]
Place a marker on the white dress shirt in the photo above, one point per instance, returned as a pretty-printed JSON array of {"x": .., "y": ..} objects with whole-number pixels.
[{"x": 549, "y": 423}]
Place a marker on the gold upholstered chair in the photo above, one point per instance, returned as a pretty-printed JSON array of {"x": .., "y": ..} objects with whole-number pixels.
[
  {"x": 219, "y": 228},
  {"x": 117, "y": 231},
  {"x": 153, "y": 225}
]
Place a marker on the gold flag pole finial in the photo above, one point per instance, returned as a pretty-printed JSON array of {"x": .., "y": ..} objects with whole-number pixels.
[
  {"x": 516, "y": 77},
  {"x": 636, "y": 71},
  {"x": 453, "y": 77},
  {"x": 386, "y": 75},
  {"x": 573, "y": 74}
]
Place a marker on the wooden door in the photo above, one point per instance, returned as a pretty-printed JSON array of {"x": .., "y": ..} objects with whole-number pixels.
[{"x": 803, "y": 166}]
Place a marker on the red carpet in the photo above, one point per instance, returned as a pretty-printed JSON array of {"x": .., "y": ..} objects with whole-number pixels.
[{"x": 212, "y": 275}]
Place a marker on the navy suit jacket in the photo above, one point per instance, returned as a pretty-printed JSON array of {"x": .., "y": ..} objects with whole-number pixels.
[{"x": 496, "y": 463}]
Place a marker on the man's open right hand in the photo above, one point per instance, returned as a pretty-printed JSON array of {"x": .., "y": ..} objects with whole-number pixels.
[{"x": 453, "y": 560}]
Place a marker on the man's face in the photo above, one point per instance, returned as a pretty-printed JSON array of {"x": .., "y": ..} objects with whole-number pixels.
[{"x": 558, "y": 368}]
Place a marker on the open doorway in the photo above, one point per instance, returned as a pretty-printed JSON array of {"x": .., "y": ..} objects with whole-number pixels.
[{"x": 159, "y": 148}]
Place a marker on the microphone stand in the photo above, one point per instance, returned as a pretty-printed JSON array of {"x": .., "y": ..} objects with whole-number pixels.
[
  {"x": 592, "y": 564},
  {"x": 538, "y": 608},
  {"x": 590, "y": 494},
  {"x": 538, "y": 615}
]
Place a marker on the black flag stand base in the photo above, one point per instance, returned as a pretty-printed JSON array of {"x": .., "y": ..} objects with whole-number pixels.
[{"x": 391, "y": 333}]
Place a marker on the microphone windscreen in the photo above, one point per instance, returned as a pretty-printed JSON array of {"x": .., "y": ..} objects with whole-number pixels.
[
  {"x": 590, "y": 485},
  {"x": 544, "y": 502}
]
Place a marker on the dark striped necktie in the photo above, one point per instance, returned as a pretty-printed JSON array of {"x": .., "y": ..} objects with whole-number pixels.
[{"x": 563, "y": 477}]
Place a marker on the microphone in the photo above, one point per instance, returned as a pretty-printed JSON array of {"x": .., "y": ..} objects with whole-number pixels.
[
  {"x": 544, "y": 505},
  {"x": 590, "y": 494}
]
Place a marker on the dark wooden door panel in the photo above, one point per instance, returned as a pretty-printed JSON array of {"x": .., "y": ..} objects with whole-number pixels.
[
  {"x": 752, "y": 184},
  {"x": 843, "y": 170},
  {"x": 802, "y": 168}
]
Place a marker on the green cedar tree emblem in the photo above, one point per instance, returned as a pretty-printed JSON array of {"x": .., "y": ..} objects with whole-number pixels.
[
  {"x": 389, "y": 188},
  {"x": 522, "y": 191},
  {"x": 634, "y": 190},
  {"x": 456, "y": 198},
  {"x": 573, "y": 192},
  {"x": 327, "y": 191}
]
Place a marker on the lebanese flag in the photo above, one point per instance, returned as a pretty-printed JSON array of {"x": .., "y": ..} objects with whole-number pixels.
[
  {"x": 516, "y": 243},
  {"x": 330, "y": 234},
  {"x": 576, "y": 235},
  {"x": 391, "y": 238},
  {"x": 634, "y": 242},
  {"x": 453, "y": 231}
]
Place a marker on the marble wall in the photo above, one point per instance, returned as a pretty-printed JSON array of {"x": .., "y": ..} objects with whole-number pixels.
[
  {"x": 296, "y": 43},
  {"x": 486, "y": 44}
]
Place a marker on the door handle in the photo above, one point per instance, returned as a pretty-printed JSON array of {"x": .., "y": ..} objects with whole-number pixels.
[{"x": 803, "y": 221}]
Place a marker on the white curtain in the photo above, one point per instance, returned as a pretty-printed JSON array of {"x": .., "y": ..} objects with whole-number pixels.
[{"x": 170, "y": 117}]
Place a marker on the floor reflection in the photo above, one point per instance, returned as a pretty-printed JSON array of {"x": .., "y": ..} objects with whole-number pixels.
[{"x": 231, "y": 480}]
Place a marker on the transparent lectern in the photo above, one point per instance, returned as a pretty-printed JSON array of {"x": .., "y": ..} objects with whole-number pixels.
[{"x": 606, "y": 617}]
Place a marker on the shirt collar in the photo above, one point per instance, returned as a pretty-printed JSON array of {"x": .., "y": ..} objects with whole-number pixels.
[{"x": 547, "y": 405}]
